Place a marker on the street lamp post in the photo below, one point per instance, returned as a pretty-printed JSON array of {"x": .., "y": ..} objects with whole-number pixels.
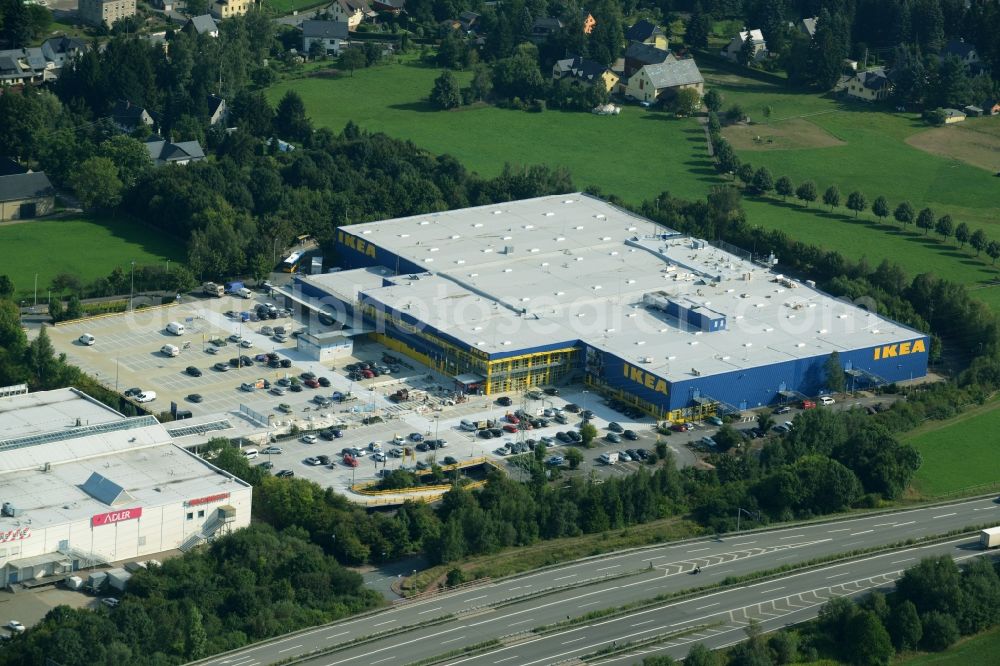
[
  {"x": 131, "y": 286},
  {"x": 739, "y": 512}
]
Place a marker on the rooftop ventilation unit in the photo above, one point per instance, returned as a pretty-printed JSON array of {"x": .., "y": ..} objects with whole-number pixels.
[{"x": 508, "y": 249}]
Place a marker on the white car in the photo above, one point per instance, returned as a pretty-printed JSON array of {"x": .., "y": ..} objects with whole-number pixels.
[
  {"x": 16, "y": 627},
  {"x": 110, "y": 602},
  {"x": 378, "y": 456},
  {"x": 246, "y": 344},
  {"x": 308, "y": 439},
  {"x": 272, "y": 450},
  {"x": 826, "y": 400},
  {"x": 146, "y": 396},
  {"x": 87, "y": 339},
  {"x": 313, "y": 461}
]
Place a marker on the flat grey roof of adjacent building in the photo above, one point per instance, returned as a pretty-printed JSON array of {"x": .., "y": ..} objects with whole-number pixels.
[{"x": 515, "y": 276}]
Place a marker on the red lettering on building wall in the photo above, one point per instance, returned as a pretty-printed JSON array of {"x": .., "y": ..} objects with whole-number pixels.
[{"x": 115, "y": 516}]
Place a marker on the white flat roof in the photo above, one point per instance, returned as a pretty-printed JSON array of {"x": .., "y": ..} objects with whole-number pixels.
[
  {"x": 519, "y": 275},
  {"x": 43, "y": 411}
]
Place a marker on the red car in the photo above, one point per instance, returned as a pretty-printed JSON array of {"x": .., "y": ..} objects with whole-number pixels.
[
  {"x": 680, "y": 427},
  {"x": 510, "y": 427},
  {"x": 808, "y": 404},
  {"x": 350, "y": 461},
  {"x": 513, "y": 419},
  {"x": 311, "y": 383}
]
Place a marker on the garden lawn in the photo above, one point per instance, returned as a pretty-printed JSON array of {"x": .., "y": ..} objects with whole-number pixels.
[
  {"x": 958, "y": 453},
  {"x": 982, "y": 649},
  {"x": 88, "y": 248},
  {"x": 283, "y": 7},
  {"x": 874, "y": 157},
  {"x": 636, "y": 155}
]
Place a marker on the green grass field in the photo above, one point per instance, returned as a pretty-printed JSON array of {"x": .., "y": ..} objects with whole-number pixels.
[
  {"x": 981, "y": 650},
  {"x": 73, "y": 245},
  {"x": 283, "y": 7},
  {"x": 958, "y": 453},
  {"x": 635, "y": 155}
]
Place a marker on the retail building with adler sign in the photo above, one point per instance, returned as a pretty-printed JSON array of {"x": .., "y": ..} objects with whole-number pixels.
[{"x": 82, "y": 485}]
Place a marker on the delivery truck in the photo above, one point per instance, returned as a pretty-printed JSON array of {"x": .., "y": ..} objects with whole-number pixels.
[{"x": 990, "y": 537}]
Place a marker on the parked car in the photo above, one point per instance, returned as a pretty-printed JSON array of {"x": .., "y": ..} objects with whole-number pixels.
[
  {"x": 630, "y": 435},
  {"x": 485, "y": 434},
  {"x": 613, "y": 438},
  {"x": 574, "y": 436},
  {"x": 313, "y": 461},
  {"x": 16, "y": 627},
  {"x": 615, "y": 427},
  {"x": 307, "y": 375},
  {"x": 643, "y": 453},
  {"x": 714, "y": 420},
  {"x": 624, "y": 457},
  {"x": 555, "y": 461},
  {"x": 295, "y": 388},
  {"x": 448, "y": 460},
  {"x": 504, "y": 401},
  {"x": 87, "y": 339},
  {"x": 146, "y": 396},
  {"x": 416, "y": 437},
  {"x": 826, "y": 400},
  {"x": 323, "y": 381},
  {"x": 278, "y": 390},
  {"x": 194, "y": 397},
  {"x": 308, "y": 439},
  {"x": 784, "y": 409},
  {"x": 285, "y": 474},
  {"x": 551, "y": 390},
  {"x": 272, "y": 450},
  {"x": 572, "y": 408},
  {"x": 311, "y": 383},
  {"x": 680, "y": 427}
]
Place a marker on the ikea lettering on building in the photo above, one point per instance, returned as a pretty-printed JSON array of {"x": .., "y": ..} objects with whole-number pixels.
[{"x": 569, "y": 287}]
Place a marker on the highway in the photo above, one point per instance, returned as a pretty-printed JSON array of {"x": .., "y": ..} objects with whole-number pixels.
[{"x": 579, "y": 587}]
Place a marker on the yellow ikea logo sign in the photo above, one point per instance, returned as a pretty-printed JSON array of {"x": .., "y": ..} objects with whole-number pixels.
[
  {"x": 644, "y": 378},
  {"x": 902, "y": 349},
  {"x": 356, "y": 244}
]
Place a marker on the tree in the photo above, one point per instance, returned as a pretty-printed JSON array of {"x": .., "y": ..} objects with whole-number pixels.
[
  {"x": 904, "y": 213},
  {"x": 352, "y": 59},
  {"x": 97, "y": 184},
  {"x": 698, "y": 28},
  {"x": 904, "y": 626},
  {"x": 481, "y": 84},
  {"x": 42, "y": 362},
  {"x": 762, "y": 181},
  {"x": 784, "y": 187},
  {"x": 745, "y": 173},
  {"x": 870, "y": 644},
  {"x": 856, "y": 201},
  {"x": 993, "y": 251},
  {"x": 978, "y": 241},
  {"x": 806, "y": 192},
  {"x": 687, "y": 102},
  {"x": 574, "y": 458},
  {"x": 727, "y": 438},
  {"x": 835, "y": 617},
  {"x": 765, "y": 420},
  {"x": 290, "y": 119},
  {"x": 588, "y": 432},
  {"x": 945, "y": 226},
  {"x": 6, "y": 287},
  {"x": 940, "y": 631},
  {"x": 252, "y": 113},
  {"x": 699, "y": 655},
  {"x": 713, "y": 100},
  {"x": 748, "y": 52},
  {"x": 880, "y": 207},
  {"x": 832, "y": 197},
  {"x": 785, "y": 647},
  {"x": 726, "y": 159},
  {"x": 829, "y": 47},
  {"x": 834, "y": 373},
  {"x": 445, "y": 94},
  {"x": 925, "y": 220},
  {"x": 962, "y": 234}
]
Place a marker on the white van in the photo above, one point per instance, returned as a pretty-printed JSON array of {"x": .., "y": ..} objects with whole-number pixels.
[
  {"x": 176, "y": 328},
  {"x": 250, "y": 453},
  {"x": 826, "y": 400},
  {"x": 244, "y": 293},
  {"x": 609, "y": 458},
  {"x": 170, "y": 350},
  {"x": 146, "y": 396}
]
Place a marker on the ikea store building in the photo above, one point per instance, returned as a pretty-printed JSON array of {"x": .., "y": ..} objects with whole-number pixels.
[{"x": 526, "y": 293}]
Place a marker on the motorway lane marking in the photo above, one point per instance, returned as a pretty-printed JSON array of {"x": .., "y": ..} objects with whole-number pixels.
[
  {"x": 773, "y": 589},
  {"x": 500, "y": 661},
  {"x": 658, "y": 557},
  {"x": 945, "y": 515},
  {"x": 904, "y": 524},
  {"x": 514, "y": 624},
  {"x": 786, "y": 557},
  {"x": 742, "y": 543},
  {"x": 708, "y": 606},
  {"x": 794, "y": 536},
  {"x": 515, "y": 588},
  {"x": 638, "y": 582},
  {"x": 639, "y": 624},
  {"x": 846, "y": 529},
  {"x": 615, "y": 566},
  {"x": 397, "y": 645},
  {"x": 381, "y": 623},
  {"x": 698, "y": 550},
  {"x": 884, "y": 524},
  {"x": 853, "y": 543},
  {"x": 838, "y": 575},
  {"x": 563, "y": 577},
  {"x": 590, "y": 604},
  {"x": 906, "y": 560},
  {"x": 581, "y": 638},
  {"x": 553, "y": 603},
  {"x": 858, "y": 533},
  {"x": 343, "y": 633},
  {"x": 381, "y": 660},
  {"x": 452, "y": 640},
  {"x": 480, "y": 597},
  {"x": 429, "y": 610},
  {"x": 290, "y": 648},
  {"x": 723, "y": 571}
]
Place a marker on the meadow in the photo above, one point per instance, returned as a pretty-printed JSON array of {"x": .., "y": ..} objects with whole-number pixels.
[
  {"x": 47, "y": 247},
  {"x": 958, "y": 453},
  {"x": 979, "y": 649}
]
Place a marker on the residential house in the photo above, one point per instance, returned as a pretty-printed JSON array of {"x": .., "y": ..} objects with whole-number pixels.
[
  {"x": 963, "y": 51},
  {"x": 544, "y": 27},
  {"x": 61, "y": 50},
  {"x": 735, "y": 46},
  {"x": 646, "y": 32},
  {"x": 807, "y": 27},
  {"x": 468, "y": 21},
  {"x": 38, "y": 64},
  {"x": 105, "y": 12},
  {"x": 223, "y": 9},
  {"x": 331, "y": 34},
  {"x": 163, "y": 5},
  {"x": 217, "y": 110},
  {"x": 655, "y": 83},
  {"x": 394, "y": 7},
  {"x": 16, "y": 70},
  {"x": 128, "y": 116},
  {"x": 972, "y": 110},
  {"x": 870, "y": 86},
  {"x": 352, "y": 12},
  {"x": 638, "y": 55},
  {"x": 952, "y": 116},
  {"x": 204, "y": 24},
  {"x": 165, "y": 152},
  {"x": 990, "y": 107},
  {"x": 26, "y": 195},
  {"x": 585, "y": 72}
]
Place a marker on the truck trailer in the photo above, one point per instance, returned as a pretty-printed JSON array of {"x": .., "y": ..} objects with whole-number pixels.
[{"x": 990, "y": 537}]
